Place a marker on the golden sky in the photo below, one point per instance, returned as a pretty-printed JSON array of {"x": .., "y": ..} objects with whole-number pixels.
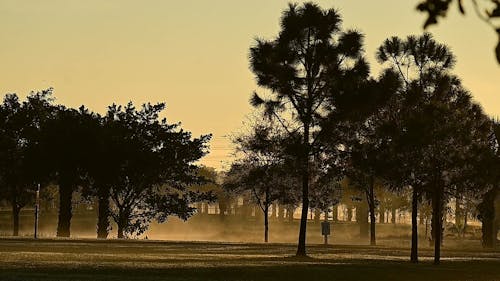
[{"x": 194, "y": 54}]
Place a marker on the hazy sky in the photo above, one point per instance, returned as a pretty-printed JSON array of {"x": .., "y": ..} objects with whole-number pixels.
[{"x": 194, "y": 54}]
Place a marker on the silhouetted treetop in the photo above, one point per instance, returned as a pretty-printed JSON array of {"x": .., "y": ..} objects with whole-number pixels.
[{"x": 313, "y": 70}]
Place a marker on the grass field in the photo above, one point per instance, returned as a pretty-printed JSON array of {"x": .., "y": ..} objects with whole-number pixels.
[{"x": 50, "y": 259}]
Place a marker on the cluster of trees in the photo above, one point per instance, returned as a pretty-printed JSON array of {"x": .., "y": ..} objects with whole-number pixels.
[
  {"x": 326, "y": 122},
  {"x": 137, "y": 166},
  {"x": 325, "y": 118}
]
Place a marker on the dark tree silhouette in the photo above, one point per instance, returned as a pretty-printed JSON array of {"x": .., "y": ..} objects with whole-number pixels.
[
  {"x": 414, "y": 59},
  {"x": 487, "y": 211},
  {"x": 263, "y": 171},
  {"x": 264, "y": 182},
  {"x": 212, "y": 184},
  {"x": 325, "y": 190},
  {"x": 19, "y": 128},
  {"x": 368, "y": 140},
  {"x": 66, "y": 144},
  {"x": 437, "y": 127},
  {"x": 13, "y": 147},
  {"x": 107, "y": 157},
  {"x": 156, "y": 166},
  {"x": 304, "y": 68}
]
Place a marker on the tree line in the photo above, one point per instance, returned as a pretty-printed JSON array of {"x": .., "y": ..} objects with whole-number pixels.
[
  {"x": 324, "y": 121},
  {"x": 136, "y": 165},
  {"x": 325, "y": 118}
]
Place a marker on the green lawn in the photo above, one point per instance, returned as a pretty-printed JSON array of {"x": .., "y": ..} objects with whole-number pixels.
[{"x": 26, "y": 259}]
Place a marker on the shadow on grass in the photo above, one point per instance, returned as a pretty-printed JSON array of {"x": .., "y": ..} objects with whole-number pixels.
[
  {"x": 347, "y": 270},
  {"x": 22, "y": 259}
]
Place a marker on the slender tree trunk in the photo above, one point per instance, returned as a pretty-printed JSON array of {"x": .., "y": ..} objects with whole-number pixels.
[
  {"x": 317, "y": 215},
  {"x": 459, "y": 217},
  {"x": 393, "y": 215},
  {"x": 103, "y": 214},
  {"x": 223, "y": 206},
  {"x": 349, "y": 213},
  {"x": 426, "y": 227},
  {"x": 335, "y": 213},
  {"x": 371, "y": 205},
  {"x": 496, "y": 220},
  {"x": 414, "y": 226},
  {"x": 65, "y": 212},
  {"x": 266, "y": 223},
  {"x": 289, "y": 213},
  {"x": 301, "y": 247},
  {"x": 382, "y": 215},
  {"x": 247, "y": 208},
  {"x": 15, "y": 219},
  {"x": 437, "y": 217},
  {"x": 465, "y": 223},
  {"x": 362, "y": 219},
  {"x": 274, "y": 211},
  {"x": 281, "y": 213}
]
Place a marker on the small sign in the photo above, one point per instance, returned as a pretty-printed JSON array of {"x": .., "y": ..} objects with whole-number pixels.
[{"x": 325, "y": 228}]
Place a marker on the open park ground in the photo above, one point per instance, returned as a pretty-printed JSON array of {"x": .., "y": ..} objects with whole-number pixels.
[{"x": 90, "y": 259}]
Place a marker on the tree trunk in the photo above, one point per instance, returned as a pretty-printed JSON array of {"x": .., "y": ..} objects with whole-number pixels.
[
  {"x": 458, "y": 216},
  {"x": 393, "y": 215},
  {"x": 121, "y": 223},
  {"x": 488, "y": 240},
  {"x": 335, "y": 213},
  {"x": 223, "y": 204},
  {"x": 371, "y": 206},
  {"x": 465, "y": 223},
  {"x": 247, "y": 208},
  {"x": 103, "y": 214},
  {"x": 437, "y": 222},
  {"x": 426, "y": 227},
  {"x": 281, "y": 213},
  {"x": 65, "y": 205},
  {"x": 266, "y": 223},
  {"x": 120, "y": 231},
  {"x": 301, "y": 247},
  {"x": 414, "y": 226},
  {"x": 362, "y": 219},
  {"x": 289, "y": 213},
  {"x": 274, "y": 211},
  {"x": 317, "y": 215},
  {"x": 487, "y": 217},
  {"x": 382, "y": 215},
  {"x": 15, "y": 219}
]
